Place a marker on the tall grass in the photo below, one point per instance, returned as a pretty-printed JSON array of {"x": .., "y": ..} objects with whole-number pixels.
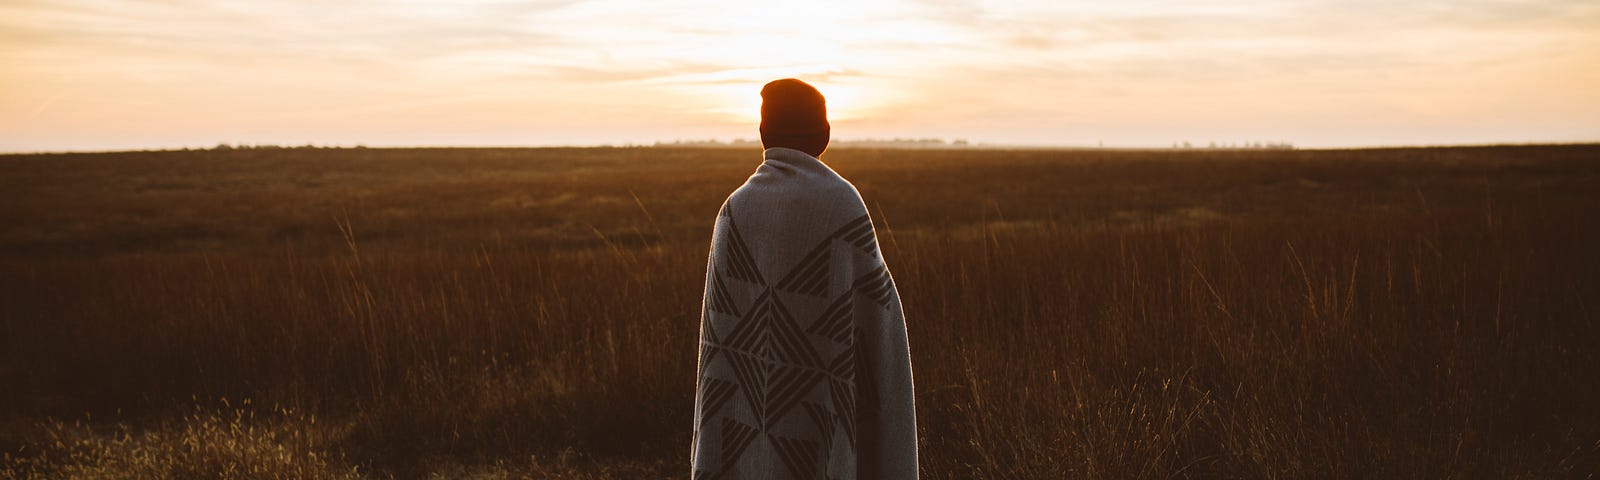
[{"x": 1406, "y": 313}]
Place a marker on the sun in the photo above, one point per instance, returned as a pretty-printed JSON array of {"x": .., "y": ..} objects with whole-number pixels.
[
  {"x": 739, "y": 102},
  {"x": 823, "y": 44}
]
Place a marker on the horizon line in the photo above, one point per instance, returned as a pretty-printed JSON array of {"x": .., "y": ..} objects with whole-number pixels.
[{"x": 883, "y": 144}]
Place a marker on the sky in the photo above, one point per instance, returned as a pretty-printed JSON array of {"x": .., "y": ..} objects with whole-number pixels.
[{"x": 146, "y": 74}]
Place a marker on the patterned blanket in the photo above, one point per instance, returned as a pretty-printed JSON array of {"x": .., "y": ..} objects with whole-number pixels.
[{"x": 804, "y": 369}]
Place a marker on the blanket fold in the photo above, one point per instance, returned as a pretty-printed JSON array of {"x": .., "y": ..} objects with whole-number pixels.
[{"x": 804, "y": 370}]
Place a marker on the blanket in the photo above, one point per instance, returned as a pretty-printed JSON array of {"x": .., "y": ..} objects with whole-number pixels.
[{"x": 804, "y": 370}]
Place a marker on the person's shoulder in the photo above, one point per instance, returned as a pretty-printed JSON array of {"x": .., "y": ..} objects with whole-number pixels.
[
  {"x": 812, "y": 192},
  {"x": 840, "y": 194},
  {"x": 825, "y": 179}
]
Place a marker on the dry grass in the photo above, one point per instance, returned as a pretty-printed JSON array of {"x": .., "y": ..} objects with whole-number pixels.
[
  {"x": 219, "y": 442},
  {"x": 1410, "y": 313}
]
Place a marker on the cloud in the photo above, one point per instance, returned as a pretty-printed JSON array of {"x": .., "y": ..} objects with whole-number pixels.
[{"x": 1128, "y": 69}]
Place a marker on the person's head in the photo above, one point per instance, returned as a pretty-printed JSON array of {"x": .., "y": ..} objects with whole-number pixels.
[{"x": 794, "y": 115}]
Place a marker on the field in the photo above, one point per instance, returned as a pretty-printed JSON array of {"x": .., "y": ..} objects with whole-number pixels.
[{"x": 407, "y": 313}]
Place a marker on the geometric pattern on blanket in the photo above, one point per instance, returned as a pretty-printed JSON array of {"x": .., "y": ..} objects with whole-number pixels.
[{"x": 773, "y": 355}]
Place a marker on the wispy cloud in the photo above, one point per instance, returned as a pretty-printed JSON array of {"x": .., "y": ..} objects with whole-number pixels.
[{"x": 1328, "y": 72}]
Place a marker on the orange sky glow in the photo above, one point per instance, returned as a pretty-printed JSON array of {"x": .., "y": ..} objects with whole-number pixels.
[{"x": 138, "y": 74}]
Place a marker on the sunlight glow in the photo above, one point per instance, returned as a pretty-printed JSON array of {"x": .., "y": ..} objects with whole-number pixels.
[{"x": 90, "y": 74}]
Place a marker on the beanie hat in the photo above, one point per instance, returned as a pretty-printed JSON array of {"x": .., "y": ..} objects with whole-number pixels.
[{"x": 794, "y": 115}]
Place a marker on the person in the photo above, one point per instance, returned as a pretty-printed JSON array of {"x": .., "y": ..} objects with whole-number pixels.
[{"x": 804, "y": 368}]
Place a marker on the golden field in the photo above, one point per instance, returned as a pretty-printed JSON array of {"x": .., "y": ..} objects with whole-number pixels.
[{"x": 510, "y": 313}]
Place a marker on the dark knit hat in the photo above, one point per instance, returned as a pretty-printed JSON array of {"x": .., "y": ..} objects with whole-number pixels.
[{"x": 794, "y": 115}]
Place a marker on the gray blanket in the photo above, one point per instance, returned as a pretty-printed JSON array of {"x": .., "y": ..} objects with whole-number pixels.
[{"x": 804, "y": 369}]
